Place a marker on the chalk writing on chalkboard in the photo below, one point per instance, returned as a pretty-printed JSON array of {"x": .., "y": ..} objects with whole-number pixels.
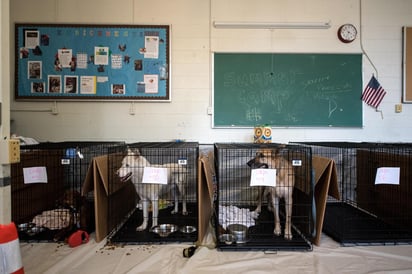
[{"x": 295, "y": 90}]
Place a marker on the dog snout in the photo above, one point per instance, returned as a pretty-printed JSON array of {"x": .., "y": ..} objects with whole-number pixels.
[
  {"x": 119, "y": 172},
  {"x": 251, "y": 163},
  {"x": 256, "y": 164}
]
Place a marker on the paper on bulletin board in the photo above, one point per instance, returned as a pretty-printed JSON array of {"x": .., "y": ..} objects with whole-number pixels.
[
  {"x": 101, "y": 56},
  {"x": 387, "y": 175},
  {"x": 32, "y": 175},
  {"x": 263, "y": 177},
  {"x": 151, "y": 47},
  {"x": 151, "y": 83},
  {"x": 31, "y": 39},
  {"x": 65, "y": 57},
  {"x": 155, "y": 175},
  {"x": 88, "y": 84}
]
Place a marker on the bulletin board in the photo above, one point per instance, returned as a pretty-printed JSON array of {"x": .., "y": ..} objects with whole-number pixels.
[
  {"x": 92, "y": 62},
  {"x": 407, "y": 65}
]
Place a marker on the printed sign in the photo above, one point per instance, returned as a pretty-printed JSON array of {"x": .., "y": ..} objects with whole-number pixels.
[
  {"x": 155, "y": 175},
  {"x": 34, "y": 175},
  {"x": 263, "y": 177},
  {"x": 387, "y": 175}
]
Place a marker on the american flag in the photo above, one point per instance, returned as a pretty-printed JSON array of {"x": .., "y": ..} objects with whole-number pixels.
[{"x": 373, "y": 93}]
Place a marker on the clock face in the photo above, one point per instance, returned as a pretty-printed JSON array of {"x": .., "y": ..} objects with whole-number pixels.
[{"x": 347, "y": 33}]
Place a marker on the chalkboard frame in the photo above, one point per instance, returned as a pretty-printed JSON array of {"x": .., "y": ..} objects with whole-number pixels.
[
  {"x": 352, "y": 113},
  {"x": 94, "y": 62}
]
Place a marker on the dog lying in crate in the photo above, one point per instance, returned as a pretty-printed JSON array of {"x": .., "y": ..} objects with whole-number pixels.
[
  {"x": 70, "y": 214},
  {"x": 132, "y": 168},
  {"x": 285, "y": 181}
]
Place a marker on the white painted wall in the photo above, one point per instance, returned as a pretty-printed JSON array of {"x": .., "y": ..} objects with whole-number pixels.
[
  {"x": 5, "y": 189},
  {"x": 193, "y": 40}
]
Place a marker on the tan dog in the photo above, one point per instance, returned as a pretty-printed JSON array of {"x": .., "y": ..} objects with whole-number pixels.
[{"x": 285, "y": 181}]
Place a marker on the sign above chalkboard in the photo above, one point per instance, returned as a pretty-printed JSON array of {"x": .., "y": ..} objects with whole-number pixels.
[{"x": 287, "y": 90}]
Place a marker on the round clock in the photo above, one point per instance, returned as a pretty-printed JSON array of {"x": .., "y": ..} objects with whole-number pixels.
[{"x": 347, "y": 33}]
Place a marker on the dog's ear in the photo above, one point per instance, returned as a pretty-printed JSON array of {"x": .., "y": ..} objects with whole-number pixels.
[
  {"x": 276, "y": 151},
  {"x": 133, "y": 152}
]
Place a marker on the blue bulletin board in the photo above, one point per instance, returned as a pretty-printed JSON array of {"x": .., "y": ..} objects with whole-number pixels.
[{"x": 92, "y": 62}]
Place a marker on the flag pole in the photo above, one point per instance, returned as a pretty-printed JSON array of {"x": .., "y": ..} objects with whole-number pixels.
[{"x": 377, "y": 110}]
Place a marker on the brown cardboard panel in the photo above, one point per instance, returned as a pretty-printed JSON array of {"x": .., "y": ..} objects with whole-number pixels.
[
  {"x": 326, "y": 183},
  {"x": 122, "y": 197},
  {"x": 206, "y": 192},
  {"x": 94, "y": 182},
  {"x": 101, "y": 203}
]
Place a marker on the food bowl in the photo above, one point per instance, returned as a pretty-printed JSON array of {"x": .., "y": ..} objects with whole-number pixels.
[
  {"x": 164, "y": 230},
  {"x": 240, "y": 232},
  {"x": 227, "y": 238},
  {"x": 25, "y": 226},
  {"x": 187, "y": 229},
  {"x": 35, "y": 230}
]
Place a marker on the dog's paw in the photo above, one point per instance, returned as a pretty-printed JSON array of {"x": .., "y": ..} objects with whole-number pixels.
[
  {"x": 254, "y": 214},
  {"x": 277, "y": 231},
  {"x": 288, "y": 235},
  {"x": 185, "y": 213},
  {"x": 174, "y": 212},
  {"x": 141, "y": 228}
]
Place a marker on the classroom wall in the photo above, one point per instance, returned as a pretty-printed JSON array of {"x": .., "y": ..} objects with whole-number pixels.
[
  {"x": 193, "y": 40},
  {"x": 5, "y": 189}
]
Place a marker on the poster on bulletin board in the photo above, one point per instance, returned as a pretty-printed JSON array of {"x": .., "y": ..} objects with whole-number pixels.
[{"x": 92, "y": 62}]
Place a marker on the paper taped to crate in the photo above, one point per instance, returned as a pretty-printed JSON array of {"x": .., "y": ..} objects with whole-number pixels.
[
  {"x": 387, "y": 175},
  {"x": 155, "y": 175},
  {"x": 34, "y": 175},
  {"x": 263, "y": 177}
]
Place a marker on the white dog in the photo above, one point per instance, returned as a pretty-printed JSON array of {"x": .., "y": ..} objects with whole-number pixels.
[{"x": 133, "y": 165}]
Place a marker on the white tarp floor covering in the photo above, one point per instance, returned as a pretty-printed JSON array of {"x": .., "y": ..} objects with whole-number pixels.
[{"x": 328, "y": 257}]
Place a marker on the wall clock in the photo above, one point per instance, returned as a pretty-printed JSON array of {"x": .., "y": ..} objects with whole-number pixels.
[{"x": 347, "y": 33}]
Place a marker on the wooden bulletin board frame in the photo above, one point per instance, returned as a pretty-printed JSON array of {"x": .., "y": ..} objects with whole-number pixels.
[
  {"x": 407, "y": 65},
  {"x": 92, "y": 62}
]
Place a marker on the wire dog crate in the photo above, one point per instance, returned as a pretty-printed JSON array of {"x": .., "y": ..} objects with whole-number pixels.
[
  {"x": 236, "y": 199},
  {"x": 47, "y": 204},
  {"x": 145, "y": 165},
  {"x": 370, "y": 211}
]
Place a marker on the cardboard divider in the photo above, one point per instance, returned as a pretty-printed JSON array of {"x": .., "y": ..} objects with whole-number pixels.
[
  {"x": 326, "y": 183},
  {"x": 119, "y": 196},
  {"x": 206, "y": 193}
]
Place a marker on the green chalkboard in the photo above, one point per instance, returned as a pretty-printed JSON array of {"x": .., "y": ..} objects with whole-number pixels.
[{"x": 287, "y": 90}]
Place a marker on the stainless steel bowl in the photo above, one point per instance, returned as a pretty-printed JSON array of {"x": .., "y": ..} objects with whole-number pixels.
[
  {"x": 164, "y": 230},
  {"x": 25, "y": 226},
  {"x": 187, "y": 229},
  {"x": 227, "y": 238},
  {"x": 240, "y": 231}
]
